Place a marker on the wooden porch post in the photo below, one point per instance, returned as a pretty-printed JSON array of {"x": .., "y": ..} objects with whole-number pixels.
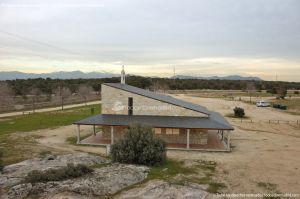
[
  {"x": 228, "y": 141},
  {"x": 188, "y": 139},
  {"x": 112, "y": 134},
  {"x": 94, "y": 128},
  {"x": 78, "y": 134}
]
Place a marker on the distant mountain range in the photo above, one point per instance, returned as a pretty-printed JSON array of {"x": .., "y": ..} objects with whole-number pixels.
[
  {"x": 229, "y": 77},
  {"x": 11, "y": 75}
]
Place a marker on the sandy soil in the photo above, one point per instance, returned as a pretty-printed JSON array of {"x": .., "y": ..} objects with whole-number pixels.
[
  {"x": 262, "y": 152},
  {"x": 56, "y": 139}
]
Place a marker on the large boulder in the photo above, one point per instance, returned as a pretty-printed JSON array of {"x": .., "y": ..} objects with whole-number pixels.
[
  {"x": 15, "y": 173},
  {"x": 160, "y": 189},
  {"x": 102, "y": 182}
]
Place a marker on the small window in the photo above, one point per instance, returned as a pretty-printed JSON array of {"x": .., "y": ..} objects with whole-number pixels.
[
  {"x": 175, "y": 131},
  {"x": 172, "y": 131},
  {"x": 169, "y": 131},
  {"x": 157, "y": 130}
]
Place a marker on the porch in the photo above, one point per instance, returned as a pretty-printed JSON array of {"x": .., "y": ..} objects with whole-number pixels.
[
  {"x": 179, "y": 132},
  {"x": 182, "y": 139}
]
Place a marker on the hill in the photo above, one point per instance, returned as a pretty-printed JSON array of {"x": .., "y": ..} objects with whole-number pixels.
[{"x": 12, "y": 75}]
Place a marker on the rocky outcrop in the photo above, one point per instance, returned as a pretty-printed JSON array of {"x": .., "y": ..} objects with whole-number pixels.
[
  {"x": 159, "y": 189},
  {"x": 102, "y": 182},
  {"x": 15, "y": 173}
]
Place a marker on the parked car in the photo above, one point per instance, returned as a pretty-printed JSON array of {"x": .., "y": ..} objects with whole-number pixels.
[{"x": 263, "y": 103}]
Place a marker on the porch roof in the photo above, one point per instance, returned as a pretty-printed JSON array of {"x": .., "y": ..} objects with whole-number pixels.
[{"x": 214, "y": 121}]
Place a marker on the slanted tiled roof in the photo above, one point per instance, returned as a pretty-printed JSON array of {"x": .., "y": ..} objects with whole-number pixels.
[
  {"x": 215, "y": 121},
  {"x": 156, "y": 96}
]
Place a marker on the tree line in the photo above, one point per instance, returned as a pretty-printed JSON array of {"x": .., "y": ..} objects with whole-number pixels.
[{"x": 24, "y": 87}]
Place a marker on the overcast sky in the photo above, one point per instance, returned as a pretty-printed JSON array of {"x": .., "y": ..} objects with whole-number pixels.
[{"x": 213, "y": 37}]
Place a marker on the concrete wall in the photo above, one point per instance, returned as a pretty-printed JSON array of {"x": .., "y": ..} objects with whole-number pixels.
[{"x": 115, "y": 101}]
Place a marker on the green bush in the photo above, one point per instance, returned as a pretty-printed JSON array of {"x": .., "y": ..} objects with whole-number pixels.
[
  {"x": 70, "y": 171},
  {"x": 1, "y": 161},
  {"x": 139, "y": 146},
  {"x": 239, "y": 112}
]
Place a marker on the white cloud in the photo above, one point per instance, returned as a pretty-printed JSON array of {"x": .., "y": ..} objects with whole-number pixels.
[{"x": 250, "y": 37}]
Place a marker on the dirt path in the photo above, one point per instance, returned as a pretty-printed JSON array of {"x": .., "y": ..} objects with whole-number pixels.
[{"x": 2, "y": 115}]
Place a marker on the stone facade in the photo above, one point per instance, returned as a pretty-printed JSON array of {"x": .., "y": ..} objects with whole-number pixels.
[{"x": 115, "y": 101}]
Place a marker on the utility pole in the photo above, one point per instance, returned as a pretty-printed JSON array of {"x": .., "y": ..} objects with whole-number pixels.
[{"x": 174, "y": 78}]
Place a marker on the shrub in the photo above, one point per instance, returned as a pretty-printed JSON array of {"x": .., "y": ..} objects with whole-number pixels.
[
  {"x": 139, "y": 146},
  {"x": 70, "y": 171},
  {"x": 1, "y": 161},
  {"x": 239, "y": 112}
]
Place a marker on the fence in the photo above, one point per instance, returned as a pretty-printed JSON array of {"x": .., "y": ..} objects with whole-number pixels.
[
  {"x": 267, "y": 121},
  {"x": 42, "y": 102}
]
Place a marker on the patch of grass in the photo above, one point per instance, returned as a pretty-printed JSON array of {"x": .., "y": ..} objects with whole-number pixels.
[
  {"x": 17, "y": 145},
  {"x": 16, "y": 148},
  {"x": 169, "y": 169},
  {"x": 44, "y": 153},
  {"x": 214, "y": 187},
  {"x": 267, "y": 185},
  {"x": 209, "y": 170},
  {"x": 36, "y": 121},
  {"x": 70, "y": 171},
  {"x": 176, "y": 172},
  {"x": 206, "y": 165}
]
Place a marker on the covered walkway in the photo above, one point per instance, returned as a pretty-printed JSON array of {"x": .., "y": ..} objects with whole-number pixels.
[{"x": 214, "y": 143}]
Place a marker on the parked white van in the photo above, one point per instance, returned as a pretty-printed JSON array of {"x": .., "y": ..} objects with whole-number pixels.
[{"x": 263, "y": 103}]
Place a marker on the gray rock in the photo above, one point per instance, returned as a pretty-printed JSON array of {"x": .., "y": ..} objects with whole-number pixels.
[
  {"x": 160, "y": 189},
  {"x": 102, "y": 182},
  {"x": 15, "y": 173}
]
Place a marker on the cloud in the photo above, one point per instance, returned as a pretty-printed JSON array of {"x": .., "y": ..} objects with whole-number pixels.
[{"x": 150, "y": 37}]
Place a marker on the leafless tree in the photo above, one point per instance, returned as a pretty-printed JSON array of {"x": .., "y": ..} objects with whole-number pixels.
[
  {"x": 35, "y": 93},
  {"x": 84, "y": 91},
  {"x": 159, "y": 86},
  {"x": 6, "y": 95},
  {"x": 281, "y": 92},
  {"x": 63, "y": 92},
  {"x": 251, "y": 88}
]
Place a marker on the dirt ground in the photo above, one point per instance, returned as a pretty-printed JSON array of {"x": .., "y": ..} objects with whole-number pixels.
[{"x": 265, "y": 157}]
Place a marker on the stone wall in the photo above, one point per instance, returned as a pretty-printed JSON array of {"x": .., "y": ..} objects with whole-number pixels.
[{"x": 115, "y": 101}]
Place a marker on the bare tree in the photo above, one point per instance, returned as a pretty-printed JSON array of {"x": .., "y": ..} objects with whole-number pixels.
[
  {"x": 34, "y": 92},
  {"x": 251, "y": 88},
  {"x": 63, "y": 92},
  {"x": 84, "y": 91},
  {"x": 6, "y": 95},
  {"x": 281, "y": 92},
  {"x": 159, "y": 86}
]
